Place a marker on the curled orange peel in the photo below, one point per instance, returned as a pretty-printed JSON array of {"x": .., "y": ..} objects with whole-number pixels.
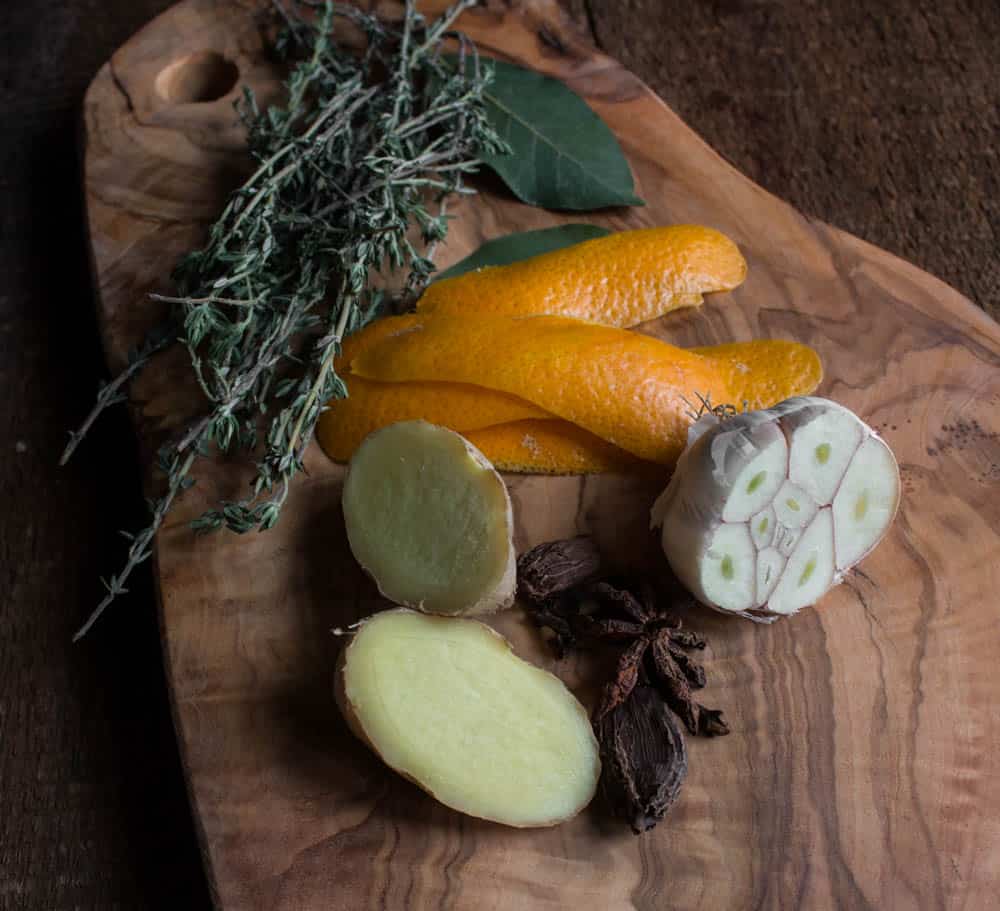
[
  {"x": 549, "y": 447},
  {"x": 764, "y": 372},
  {"x": 620, "y": 280},
  {"x": 631, "y": 390},
  {"x": 371, "y": 405}
]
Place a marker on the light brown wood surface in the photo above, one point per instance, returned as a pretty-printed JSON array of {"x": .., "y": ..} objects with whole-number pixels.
[{"x": 862, "y": 770}]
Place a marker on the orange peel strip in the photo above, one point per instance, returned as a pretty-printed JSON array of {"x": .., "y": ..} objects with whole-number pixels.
[
  {"x": 620, "y": 280},
  {"x": 357, "y": 343},
  {"x": 549, "y": 447},
  {"x": 764, "y": 372},
  {"x": 371, "y": 405},
  {"x": 631, "y": 390}
]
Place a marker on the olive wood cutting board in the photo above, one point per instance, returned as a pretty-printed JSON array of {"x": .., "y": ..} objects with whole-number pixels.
[{"x": 862, "y": 770}]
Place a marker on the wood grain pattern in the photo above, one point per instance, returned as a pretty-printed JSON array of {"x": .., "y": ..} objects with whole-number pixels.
[{"x": 860, "y": 771}]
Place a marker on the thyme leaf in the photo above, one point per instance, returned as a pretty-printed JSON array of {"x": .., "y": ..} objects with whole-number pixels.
[{"x": 367, "y": 147}]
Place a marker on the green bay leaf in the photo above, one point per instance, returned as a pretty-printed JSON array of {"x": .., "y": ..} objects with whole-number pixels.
[
  {"x": 564, "y": 156},
  {"x": 511, "y": 248}
]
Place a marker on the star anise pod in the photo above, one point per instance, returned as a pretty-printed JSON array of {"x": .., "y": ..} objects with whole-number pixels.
[
  {"x": 657, "y": 651},
  {"x": 556, "y": 582},
  {"x": 644, "y": 759}
]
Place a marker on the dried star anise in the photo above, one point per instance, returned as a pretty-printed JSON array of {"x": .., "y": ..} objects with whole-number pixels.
[
  {"x": 657, "y": 645},
  {"x": 567, "y": 590},
  {"x": 556, "y": 582}
]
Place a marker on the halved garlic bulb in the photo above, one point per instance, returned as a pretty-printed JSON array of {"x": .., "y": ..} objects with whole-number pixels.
[{"x": 767, "y": 510}]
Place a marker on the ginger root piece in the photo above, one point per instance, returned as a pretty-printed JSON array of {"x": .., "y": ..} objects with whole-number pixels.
[
  {"x": 430, "y": 520},
  {"x": 447, "y": 704},
  {"x": 622, "y": 279},
  {"x": 767, "y": 510}
]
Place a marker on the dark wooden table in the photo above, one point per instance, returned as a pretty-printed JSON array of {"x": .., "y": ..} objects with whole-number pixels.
[{"x": 880, "y": 118}]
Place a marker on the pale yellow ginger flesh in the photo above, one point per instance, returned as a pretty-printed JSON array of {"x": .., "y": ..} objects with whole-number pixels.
[
  {"x": 430, "y": 520},
  {"x": 447, "y": 704}
]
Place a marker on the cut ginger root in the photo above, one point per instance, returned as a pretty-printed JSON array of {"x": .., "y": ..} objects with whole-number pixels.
[
  {"x": 549, "y": 447},
  {"x": 430, "y": 520},
  {"x": 447, "y": 704},
  {"x": 767, "y": 510},
  {"x": 620, "y": 280},
  {"x": 631, "y": 390}
]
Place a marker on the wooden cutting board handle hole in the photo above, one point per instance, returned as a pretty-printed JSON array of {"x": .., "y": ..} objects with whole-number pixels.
[{"x": 198, "y": 78}]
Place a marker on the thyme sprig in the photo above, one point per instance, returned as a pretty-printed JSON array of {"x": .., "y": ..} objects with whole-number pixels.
[{"x": 367, "y": 147}]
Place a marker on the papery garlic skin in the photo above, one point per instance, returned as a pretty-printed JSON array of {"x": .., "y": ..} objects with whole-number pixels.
[{"x": 767, "y": 510}]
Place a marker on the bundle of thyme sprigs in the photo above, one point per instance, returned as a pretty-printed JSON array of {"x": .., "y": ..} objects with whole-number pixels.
[{"x": 368, "y": 146}]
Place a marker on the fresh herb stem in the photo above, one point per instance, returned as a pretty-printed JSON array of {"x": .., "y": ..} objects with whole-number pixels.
[
  {"x": 142, "y": 544},
  {"x": 367, "y": 147},
  {"x": 114, "y": 392}
]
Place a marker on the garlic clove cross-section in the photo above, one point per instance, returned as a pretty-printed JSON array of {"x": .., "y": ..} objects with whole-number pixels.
[
  {"x": 767, "y": 510},
  {"x": 866, "y": 502}
]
